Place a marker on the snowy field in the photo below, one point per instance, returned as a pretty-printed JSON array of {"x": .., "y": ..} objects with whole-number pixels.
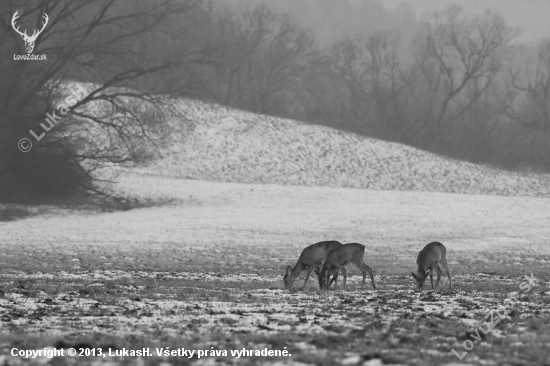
[
  {"x": 229, "y": 201},
  {"x": 246, "y": 227},
  {"x": 204, "y": 269},
  {"x": 221, "y": 144}
]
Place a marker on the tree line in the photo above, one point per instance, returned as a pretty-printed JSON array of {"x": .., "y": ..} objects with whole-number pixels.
[
  {"x": 448, "y": 83},
  {"x": 453, "y": 85}
]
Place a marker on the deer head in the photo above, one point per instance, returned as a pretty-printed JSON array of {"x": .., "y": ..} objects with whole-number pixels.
[{"x": 29, "y": 41}]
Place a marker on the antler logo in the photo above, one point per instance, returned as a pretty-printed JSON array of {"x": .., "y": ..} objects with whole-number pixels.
[{"x": 29, "y": 41}]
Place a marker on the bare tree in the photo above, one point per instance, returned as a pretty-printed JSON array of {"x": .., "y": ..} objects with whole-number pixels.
[
  {"x": 527, "y": 105},
  {"x": 372, "y": 72},
  {"x": 258, "y": 54},
  {"x": 456, "y": 61},
  {"x": 118, "y": 49}
]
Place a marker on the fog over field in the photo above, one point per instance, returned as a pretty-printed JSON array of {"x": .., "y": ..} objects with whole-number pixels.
[
  {"x": 529, "y": 16},
  {"x": 274, "y": 182}
]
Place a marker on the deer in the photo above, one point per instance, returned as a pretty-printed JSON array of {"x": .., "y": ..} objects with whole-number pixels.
[
  {"x": 428, "y": 261},
  {"x": 340, "y": 257},
  {"x": 312, "y": 258},
  {"x": 29, "y": 41}
]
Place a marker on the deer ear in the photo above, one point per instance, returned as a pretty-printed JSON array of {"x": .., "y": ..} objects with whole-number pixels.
[
  {"x": 289, "y": 269},
  {"x": 415, "y": 277},
  {"x": 426, "y": 275}
]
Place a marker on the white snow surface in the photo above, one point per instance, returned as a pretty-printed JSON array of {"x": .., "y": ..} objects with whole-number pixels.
[{"x": 212, "y": 142}]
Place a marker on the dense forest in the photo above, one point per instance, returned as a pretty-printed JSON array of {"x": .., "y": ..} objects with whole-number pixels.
[
  {"x": 446, "y": 82},
  {"x": 449, "y": 83}
]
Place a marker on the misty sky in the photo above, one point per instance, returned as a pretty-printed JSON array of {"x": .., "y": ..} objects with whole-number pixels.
[{"x": 531, "y": 16}]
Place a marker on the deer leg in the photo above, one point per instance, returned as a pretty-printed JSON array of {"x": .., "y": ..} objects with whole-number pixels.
[
  {"x": 444, "y": 264},
  {"x": 361, "y": 267},
  {"x": 308, "y": 273},
  {"x": 345, "y": 274},
  {"x": 438, "y": 275},
  {"x": 364, "y": 269},
  {"x": 325, "y": 281},
  {"x": 334, "y": 279},
  {"x": 432, "y": 276},
  {"x": 369, "y": 270},
  {"x": 358, "y": 262}
]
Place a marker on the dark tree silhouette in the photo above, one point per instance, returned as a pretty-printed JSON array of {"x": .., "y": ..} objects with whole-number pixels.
[
  {"x": 456, "y": 62},
  {"x": 121, "y": 53}
]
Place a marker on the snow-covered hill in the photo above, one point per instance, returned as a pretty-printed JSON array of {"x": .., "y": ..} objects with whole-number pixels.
[{"x": 221, "y": 144}]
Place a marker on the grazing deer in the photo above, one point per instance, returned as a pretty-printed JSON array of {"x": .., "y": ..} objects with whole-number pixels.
[
  {"x": 311, "y": 258},
  {"x": 340, "y": 257},
  {"x": 428, "y": 260}
]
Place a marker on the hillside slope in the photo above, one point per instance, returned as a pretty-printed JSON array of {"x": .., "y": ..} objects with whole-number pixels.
[{"x": 221, "y": 144}]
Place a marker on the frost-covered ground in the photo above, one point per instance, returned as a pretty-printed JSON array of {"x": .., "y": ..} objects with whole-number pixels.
[
  {"x": 204, "y": 269},
  {"x": 240, "y": 228},
  {"x": 394, "y": 324},
  {"x": 221, "y": 144},
  {"x": 201, "y": 266}
]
